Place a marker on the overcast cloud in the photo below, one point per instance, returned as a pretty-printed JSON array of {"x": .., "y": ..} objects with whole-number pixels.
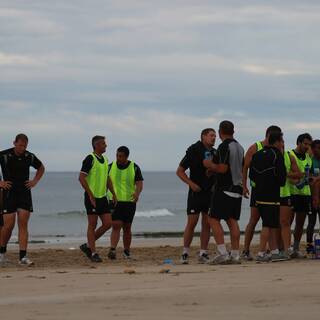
[{"x": 152, "y": 74}]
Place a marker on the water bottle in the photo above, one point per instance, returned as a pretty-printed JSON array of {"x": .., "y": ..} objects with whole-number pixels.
[
  {"x": 316, "y": 171},
  {"x": 208, "y": 155},
  {"x": 317, "y": 246}
]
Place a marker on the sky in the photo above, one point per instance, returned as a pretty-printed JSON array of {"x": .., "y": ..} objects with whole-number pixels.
[{"x": 152, "y": 74}]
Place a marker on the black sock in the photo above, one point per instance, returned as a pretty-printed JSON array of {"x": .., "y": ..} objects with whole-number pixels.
[
  {"x": 127, "y": 252},
  {"x": 3, "y": 249},
  {"x": 22, "y": 254}
]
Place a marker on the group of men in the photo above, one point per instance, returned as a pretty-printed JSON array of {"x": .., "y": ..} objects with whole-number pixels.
[
  {"x": 115, "y": 209},
  {"x": 285, "y": 188}
]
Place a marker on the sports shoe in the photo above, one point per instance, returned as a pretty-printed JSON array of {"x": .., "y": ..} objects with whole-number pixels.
[
  {"x": 95, "y": 258},
  {"x": 25, "y": 261},
  {"x": 235, "y": 260},
  {"x": 112, "y": 255},
  {"x": 246, "y": 255},
  {"x": 127, "y": 255},
  {"x": 263, "y": 259},
  {"x": 3, "y": 260},
  {"x": 86, "y": 250},
  {"x": 184, "y": 258},
  {"x": 204, "y": 258},
  {"x": 221, "y": 259},
  {"x": 278, "y": 257},
  {"x": 310, "y": 248},
  {"x": 296, "y": 254}
]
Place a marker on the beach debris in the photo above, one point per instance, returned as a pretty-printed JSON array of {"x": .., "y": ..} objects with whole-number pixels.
[
  {"x": 72, "y": 248},
  {"x": 164, "y": 271},
  {"x": 36, "y": 277},
  {"x": 168, "y": 261},
  {"x": 129, "y": 271}
]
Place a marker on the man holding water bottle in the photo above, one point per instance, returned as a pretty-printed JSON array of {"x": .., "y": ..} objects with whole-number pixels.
[
  {"x": 200, "y": 182},
  {"x": 315, "y": 185},
  {"x": 301, "y": 192}
]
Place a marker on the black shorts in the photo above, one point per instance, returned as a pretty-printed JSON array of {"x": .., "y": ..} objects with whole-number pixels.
[
  {"x": 102, "y": 205},
  {"x": 301, "y": 203},
  {"x": 225, "y": 207},
  {"x": 253, "y": 198},
  {"x": 198, "y": 202},
  {"x": 124, "y": 211},
  {"x": 270, "y": 215},
  {"x": 1, "y": 220},
  {"x": 285, "y": 202},
  {"x": 13, "y": 200}
]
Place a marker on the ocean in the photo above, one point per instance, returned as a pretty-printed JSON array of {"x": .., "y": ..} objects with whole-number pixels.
[{"x": 59, "y": 212}]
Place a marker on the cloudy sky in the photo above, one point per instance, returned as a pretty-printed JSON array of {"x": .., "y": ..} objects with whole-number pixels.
[{"x": 151, "y": 74}]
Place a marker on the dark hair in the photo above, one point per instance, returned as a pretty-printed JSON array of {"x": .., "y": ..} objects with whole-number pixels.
[
  {"x": 275, "y": 137},
  {"x": 302, "y": 137},
  {"x": 273, "y": 128},
  {"x": 204, "y": 132},
  {"x": 95, "y": 139},
  {"x": 21, "y": 136},
  {"x": 315, "y": 143},
  {"x": 226, "y": 127},
  {"x": 125, "y": 150}
]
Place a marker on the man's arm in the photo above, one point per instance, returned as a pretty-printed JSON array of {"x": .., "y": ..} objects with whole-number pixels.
[
  {"x": 246, "y": 165},
  {"x": 295, "y": 174},
  {"x": 110, "y": 187},
  {"x": 281, "y": 171},
  {"x": 181, "y": 173},
  {"x": 139, "y": 188},
  {"x": 39, "y": 173},
  {"x": 85, "y": 186}
]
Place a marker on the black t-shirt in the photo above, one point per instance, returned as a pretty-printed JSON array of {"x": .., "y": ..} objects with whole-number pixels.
[
  {"x": 87, "y": 163},
  {"x": 300, "y": 156},
  {"x": 17, "y": 168},
  {"x": 193, "y": 160},
  {"x": 138, "y": 173},
  {"x": 231, "y": 153}
]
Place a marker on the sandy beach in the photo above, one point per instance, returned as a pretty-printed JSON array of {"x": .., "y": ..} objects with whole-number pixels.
[{"x": 63, "y": 284}]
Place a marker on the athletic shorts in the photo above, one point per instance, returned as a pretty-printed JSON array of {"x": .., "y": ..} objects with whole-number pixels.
[
  {"x": 285, "y": 202},
  {"x": 253, "y": 198},
  {"x": 102, "y": 205},
  {"x": 13, "y": 200},
  {"x": 270, "y": 215},
  {"x": 124, "y": 211},
  {"x": 225, "y": 207},
  {"x": 198, "y": 202},
  {"x": 1, "y": 220},
  {"x": 301, "y": 203}
]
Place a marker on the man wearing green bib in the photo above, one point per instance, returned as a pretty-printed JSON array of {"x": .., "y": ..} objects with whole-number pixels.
[
  {"x": 94, "y": 180},
  {"x": 127, "y": 181},
  {"x": 315, "y": 178},
  {"x": 301, "y": 192}
]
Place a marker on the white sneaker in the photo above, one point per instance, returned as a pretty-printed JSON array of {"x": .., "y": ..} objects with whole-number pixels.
[
  {"x": 3, "y": 260},
  {"x": 221, "y": 259},
  {"x": 25, "y": 261},
  {"x": 204, "y": 258}
]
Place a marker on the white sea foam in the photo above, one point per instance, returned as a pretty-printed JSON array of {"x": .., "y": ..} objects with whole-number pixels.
[{"x": 154, "y": 213}]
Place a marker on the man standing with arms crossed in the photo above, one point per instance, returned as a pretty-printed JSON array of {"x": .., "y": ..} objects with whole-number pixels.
[
  {"x": 227, "y": 195},
  {"x": 200, "y": 183},
  {"x": 94, "y": 180},
  {"x": 254, "y": 215},
  {"x": 17, "y": 200},
  {"x": 301, "y": 192},
  {"x": 127, "y": 182}
]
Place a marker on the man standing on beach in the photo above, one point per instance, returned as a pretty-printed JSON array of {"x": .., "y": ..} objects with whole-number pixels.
[
  {"x": 227, "y": 194},
  {"x": 127, "y": 182},
  {"x": 200, "y": 182},
  {"x": 269, "y": 174},
  {"x": 301, "y": 192},
  {"x": 255, "y": 215},
  {"x": 17, "y": 200},
  {"x": 315, "y": 178},
  {"x": 94, "y": 180}
]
